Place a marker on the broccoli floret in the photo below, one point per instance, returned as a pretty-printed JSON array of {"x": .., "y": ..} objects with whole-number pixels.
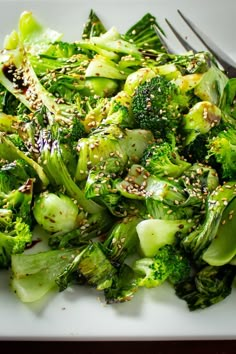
[
  {"x": 136, "y": 78},
  {"x": 164, "y": 160},
  {"x": 119, "y": 111},
  {"x": 223, "y": 148},
  {"x": 10, "y": 152},
  {"x": 168, "y": 263},
  {"x": 157, "y": 106},
  {"x": 16, "y": 190},
  {"x": 6, "y": 218},
  {"x": 61, "y": 49},
  {"x": 72, "y": 134},
  {"x": 14, "y": 240},
  {"x": 196, "y": 151}
]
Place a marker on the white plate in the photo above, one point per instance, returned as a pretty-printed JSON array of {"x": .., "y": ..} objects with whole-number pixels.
[{"x": 78, "y": 313}]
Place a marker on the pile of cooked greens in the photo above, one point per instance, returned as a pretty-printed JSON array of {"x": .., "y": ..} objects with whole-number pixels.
[{"x": 125, "y": 155}]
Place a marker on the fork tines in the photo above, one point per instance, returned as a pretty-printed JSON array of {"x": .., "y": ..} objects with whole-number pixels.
[{"x": 226, "y": 61}]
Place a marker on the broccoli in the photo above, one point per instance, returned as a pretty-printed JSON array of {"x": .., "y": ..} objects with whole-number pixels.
[
  {"x": 119, "y": 111},
  {"x": 10, "y": 152},
  {"x": 60, "y": 49},
  {"x": 13, "y": 240},
  {"x": 16, "y": 190},
  {"x": 137, "y": 78},
  {"x": 163, "y": 159},
  {"x": 196, "y": 151},
  {"x": 124, "y": 155},
  {"x": 16, "y": 194},
  {"x": 167, "y": 264},
  {"x": 157, "y": 106},
  {"x": 223, "y": 149}
]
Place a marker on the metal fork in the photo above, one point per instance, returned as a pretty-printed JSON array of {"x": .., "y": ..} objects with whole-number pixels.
[{"x": 227, "y": 63}]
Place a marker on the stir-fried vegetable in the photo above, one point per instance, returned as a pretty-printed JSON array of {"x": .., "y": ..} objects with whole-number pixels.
[{"x": 124, "y": 155}]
